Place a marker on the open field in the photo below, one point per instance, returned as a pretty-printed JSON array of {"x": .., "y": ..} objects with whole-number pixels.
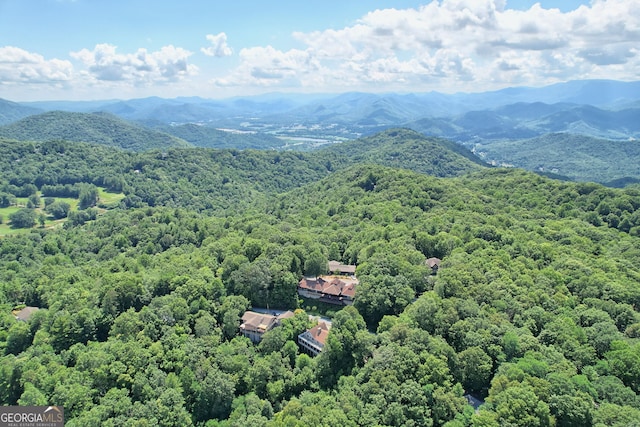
[{"x": 107, "y": 199}]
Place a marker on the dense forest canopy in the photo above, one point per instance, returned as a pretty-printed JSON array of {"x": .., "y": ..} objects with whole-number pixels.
[
  {"x": 578, "y": 157},
  {"x": 534, "y": 308},
  {"x": 97, "y": 128}
]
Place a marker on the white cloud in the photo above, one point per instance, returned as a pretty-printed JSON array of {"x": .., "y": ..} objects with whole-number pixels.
[
  {"x": 455, "y": 45},
  {"x": 266, "y": 66},
  {"x": 169, "y": 64},
  {"x": 18, "y": 66},
  {"x": 218, "y": 46},
  {"x": 446, "y": 45}
]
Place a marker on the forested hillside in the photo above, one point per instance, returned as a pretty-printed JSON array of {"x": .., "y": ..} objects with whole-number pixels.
[
  {"x": 98, "y": 128},
  {"x": 404, "y": 148},
  {"x": 578, "y": 157},
  {"x": 216, "y": 180},
  {"x": 11, "y": 111},
  {"x": 534, "y": 308}
]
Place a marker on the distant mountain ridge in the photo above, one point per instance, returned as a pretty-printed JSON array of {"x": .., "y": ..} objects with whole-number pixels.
[
  {"x": 606, "y": 94},
  {"x": 12, "y": 111},
  {"x": 522, "y": 120},
  {"x": 98, "y": 128},
  {"x": 487, "y": 122},
  {"x": 599, "y": 108}
]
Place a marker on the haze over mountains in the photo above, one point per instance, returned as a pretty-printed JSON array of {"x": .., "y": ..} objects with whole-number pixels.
[{"x": 500, "y": 126}]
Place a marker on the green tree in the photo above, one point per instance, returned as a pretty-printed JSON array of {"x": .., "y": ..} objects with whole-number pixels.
[
  {"x": 214, "y": 396},
  {"x": 88, "y": 197},
  {"x": 31, "y": 396},
  {"x": 570, "y": 410},
  {"x": 24, "y": 218},
  {"x": 624, "y": 362},
  {"x": 253, "y": 280},
  {"x": 58, "y": 209},
  {"x": 377, "y": 296},
  {"x": 611, "y": 415},
  {"x": 19, "y": 338},
  {"x": 34, "y": 201},
  {"x": 7, "y": 199},
  {"x": 519, "y": 406},
  {"x": 316, "y": 264},
  {"x": 348, "y": 344},
  {"x": 475, "y": 368}
]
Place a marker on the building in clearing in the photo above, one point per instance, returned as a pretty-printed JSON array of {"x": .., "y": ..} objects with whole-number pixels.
[
  {"x": 336, "y": 267},
  {"x": 433, "y": 264},
  {"x": 254, "y": 325},
  {"x": 313, "y": 340},
  {"x": 24, "y": 314}
]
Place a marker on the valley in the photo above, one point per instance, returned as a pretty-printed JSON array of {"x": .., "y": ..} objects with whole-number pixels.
[{"x": 502, "y": 127}]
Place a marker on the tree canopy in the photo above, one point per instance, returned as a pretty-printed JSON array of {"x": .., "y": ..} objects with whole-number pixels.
[{"x": 534, "y": 309}]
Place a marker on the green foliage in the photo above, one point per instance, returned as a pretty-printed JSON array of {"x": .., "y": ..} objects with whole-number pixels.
[
  {"x": 533, "y": 308},
  {"x": 315, "y": 264},
  {"x": 58, "y": 209},
  {"x": 88, "y": 196},
  {"x": 24, "y": 218},
  {"x": 406, "y": 149},
  {"x": 97, "y": 128},
  {"x": 578, "y": 157},
  {"x": 7, "y": 199}
]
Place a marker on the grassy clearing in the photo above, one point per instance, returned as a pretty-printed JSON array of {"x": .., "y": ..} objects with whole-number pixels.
[
  {"x": 108, "y": 200},
  {"x": 4, "y": 227},
  {"x": 318, "y": 308}
]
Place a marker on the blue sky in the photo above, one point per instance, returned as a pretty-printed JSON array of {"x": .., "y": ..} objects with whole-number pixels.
[{"x": 97, "y": 49}]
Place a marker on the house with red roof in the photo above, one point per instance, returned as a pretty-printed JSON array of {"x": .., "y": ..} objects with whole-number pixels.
[
  {"x": 313, "y": 340},
  {"x": 339, "y": 290}
]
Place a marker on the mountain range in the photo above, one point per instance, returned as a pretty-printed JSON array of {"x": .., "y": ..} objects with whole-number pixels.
[{"x": 504, "y": 126}]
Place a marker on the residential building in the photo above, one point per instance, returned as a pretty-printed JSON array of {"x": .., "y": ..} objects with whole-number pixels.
[
  {"x": 254, "y": 325},
  {"x": 313, "y": 340},
  {"x": 336, "y": 267},
  {"x": 433, "y": 264},
  {"x": 337, "y": 290},
  {"x": 25, "y": 313}
]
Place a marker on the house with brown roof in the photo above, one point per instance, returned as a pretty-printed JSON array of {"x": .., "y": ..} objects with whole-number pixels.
[
  {"x": 330, "y": 289},
  {"x": 254, "y": 324},
  {"x": 313, "y": 340},
  {"x": 336, "y": 267}
]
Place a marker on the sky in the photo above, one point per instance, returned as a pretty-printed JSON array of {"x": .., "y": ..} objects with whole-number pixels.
[{"x": 124, "y": 49}]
